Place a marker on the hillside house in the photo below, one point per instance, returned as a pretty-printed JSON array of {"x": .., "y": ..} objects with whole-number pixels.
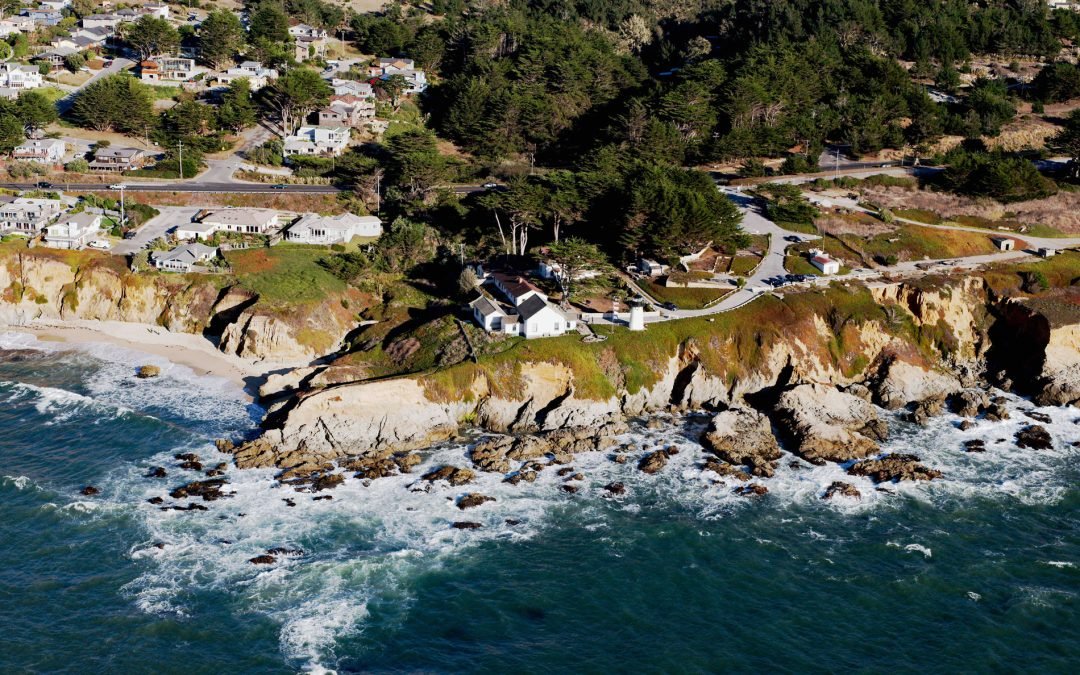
[
  {"x": 348, "y": 113},
  {"x": 167, "y": 68},
  {"x": 117, "y": 159},
  {"x": 106, "y": 21},
  {"x": 241, "y": 220},
  {"x": 28, "y": 216},
  {"x": 182, "y": 258},
  {"x": 73, "y": 232},
  {"x": 14, "y": 79},
  {"x": 308, "y": 47},
  {"x": 651, "y": 268},
  {"x": 317, "y": 141},
  {"x": 46, "y": 151},
  {"x": 352, "y": 88},
  {"x": 256, "y": 75},
  {"x": 315, "y": 229},
  {"x": 415, "y": 78}
]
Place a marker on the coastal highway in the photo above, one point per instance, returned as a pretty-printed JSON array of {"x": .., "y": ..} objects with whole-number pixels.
[{"x": 217, "y": 188}]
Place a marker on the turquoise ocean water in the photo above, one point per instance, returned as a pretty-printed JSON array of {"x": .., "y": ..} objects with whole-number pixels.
[{"x": 977, "y": 572}]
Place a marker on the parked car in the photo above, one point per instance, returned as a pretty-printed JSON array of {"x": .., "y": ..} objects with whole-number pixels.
[
  {"x": 44, "y": 185},
  {"x": 490, "y": 186},
  {"x": 793, "y": 238},
  {"x": 100, "y": 245},
  {"x": 669, "y": 306},
  {"x": 130, "y": 234}
]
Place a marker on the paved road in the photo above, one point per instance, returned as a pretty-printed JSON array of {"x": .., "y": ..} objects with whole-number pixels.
[
  {"x": 181, "y": 187},
  {"x": 168, "y": 218}
]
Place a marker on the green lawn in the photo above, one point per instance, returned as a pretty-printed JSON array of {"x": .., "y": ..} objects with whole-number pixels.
[
  {"x": 284, "y": 273},
  {"x": 803, "y": 228},
  {"x": 683, "y": 298},
  {"x": 744, "y": 265}
]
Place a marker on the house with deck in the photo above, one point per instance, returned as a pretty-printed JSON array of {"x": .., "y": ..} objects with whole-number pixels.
[
  {"x": 73, "y": 232},
  {"x": 315, "y": 229},
  {"x": 526, "y": 312},
  {"x": 117, "y": 159},
  {"x": 183, "y": 258},
  {"x": 240, "y": 220},
  {"x": 317, "y": 141},
  {"x": 24, "y": 215},
  {"x": 46, "y": 151}
]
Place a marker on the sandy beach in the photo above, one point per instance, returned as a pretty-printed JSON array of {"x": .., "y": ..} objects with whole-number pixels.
[{"x": 194, "y": 351}]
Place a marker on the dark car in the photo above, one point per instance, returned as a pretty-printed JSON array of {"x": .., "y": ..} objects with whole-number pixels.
[
  {"x": 792, "y": 238},
  {"x": 130, "y": 234},
  {"x": 44, "y": 185},
  {"x": 278, "y": 186},
  {"x": 669, "y": 306}
]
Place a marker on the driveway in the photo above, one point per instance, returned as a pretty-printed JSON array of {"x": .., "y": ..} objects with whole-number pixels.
[{"x": 158, "y": 226}]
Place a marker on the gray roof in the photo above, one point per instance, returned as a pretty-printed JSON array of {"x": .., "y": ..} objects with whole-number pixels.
[
  {"x": 532, "y": 307},
  {"x": 485, "y": 306}
]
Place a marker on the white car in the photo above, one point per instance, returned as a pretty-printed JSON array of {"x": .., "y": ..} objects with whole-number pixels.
[
  {"x": 118, "y": 186},
  {"x": 100, "y": 245}
]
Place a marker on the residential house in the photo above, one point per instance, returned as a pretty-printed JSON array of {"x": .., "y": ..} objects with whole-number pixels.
[
  {"x": 352, "y": 88},
  {"x": 539, "y": 318},
  {"x": 256, "y": 75},
  {"x": 106, "y": 21},
  {"x": 517, "y": 289},
  {"x": 28, "y": 216},
  {"x": 117, "y": 159},
  {"x": 307, "y": 47},
  {"x": 347, "y": 111},
  {"x": 14, "y": 79},
  {"x": 317, "y": 141},
  {"x": 157, "y": 9},
  {"x": 55, "y": 57},
  {"x": 174, "y": 68},
  {"x": 54, "y": 5},
  {"x": 315, "y": 229},
  {"x": 73, "y": 232},
  {"x": 16, "y": 24},
  {"x": 415, "y": 78},
  {"x": 304, "y": 30},
  {"x": 242, "y": 220},
  {"x": 824, "y": 262},
  {"x": 196, "y": 231},
  {"x": 182, "y": 258},
  {"x": 47, "y": 151},
  {"x": 487, "y": 312},
  {"x": 651, "y": 268},
  {"x": 43, "y": 16},
  {"x": 127, "y": 15}
]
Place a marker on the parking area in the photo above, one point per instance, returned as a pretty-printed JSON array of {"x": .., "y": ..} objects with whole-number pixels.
[{"x": 158, "y": 226}]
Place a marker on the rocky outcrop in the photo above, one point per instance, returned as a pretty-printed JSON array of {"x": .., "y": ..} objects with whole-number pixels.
[
  {"x": 1035, "y": 437},
  {"x": 499, "y": 452},
  {"x": 743, "y": 436},
  {"x": 826, "y": 424},
  {"x": 656, "y": 460},
  {"x": 841, "y": 489},
  {"x": 901, "y": 383},
  {"x": 891, "y": 468}
]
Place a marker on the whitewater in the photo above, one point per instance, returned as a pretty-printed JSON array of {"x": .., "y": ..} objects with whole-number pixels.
[{"x": 677, "y": 574}]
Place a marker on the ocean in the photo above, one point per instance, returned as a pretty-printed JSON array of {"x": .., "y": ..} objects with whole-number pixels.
[{"x": 974, "y": 572}]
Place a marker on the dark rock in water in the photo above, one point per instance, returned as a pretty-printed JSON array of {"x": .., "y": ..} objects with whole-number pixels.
[
  {"x": 156, "y": 472},
  {"x": 225, "y": 445},
  {"x": 190, "y": 507},
  {"x": 281, "y": 550},
  {"x": 187, "y": 457},
  {"x": 209, "y": 490},
  {"x": 450, "y": 474},
  {"x": 619, "y": 459},
  {"x": 841, "y": 489},
  {"x": 263, "y": 560},
  {"x": 893, "y": 467},
  {"x": 497, "y": 452},
  {"x": 577, "y": 476},
  {"x": 322, "y": 497},
  {"x": 1034, "y": 437},
  {"x": 1038, "y": 416},
  {"x": 655, "y": 460},
  {"x": 615, "y": 488},
  {"x": 969, "y": 402},
  {"x": 472, "y": 500},
  {"x": 511, "y": 522},
  {"x": 156, "y": 500},
  {"x": 564, "y": 471},
  {"x": 289, "y": 502},
  {"x": 743, "y": 436},
  {"x": 975, "y": 445},
  {"x": 796, "y": 465},
  {"x": 965, "y": 425},
  {"x": 724, "y": 469},
  {"x": 89, "y": 491},
  {"x": 215, "y": 472},
  {"x": 316, "y": 481},
  {"x": 570, "y": 489},
  {"x": 751, "y": 490},
  {"x": 926, "y": 409},
  {"x": 465, "y": 525},
  {"x": 159, "y": 545},
  {"x": 997, "y": 409},
  {"x": 191, "y": 466}
]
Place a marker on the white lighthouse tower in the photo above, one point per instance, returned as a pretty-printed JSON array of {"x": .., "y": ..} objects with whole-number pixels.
[{"x": 637, "y": 315}]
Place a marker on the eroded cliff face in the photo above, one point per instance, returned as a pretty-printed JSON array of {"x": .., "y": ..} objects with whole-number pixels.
[
  {"x": 41, "y": 285},
  {"x": 924, "y": 344}
]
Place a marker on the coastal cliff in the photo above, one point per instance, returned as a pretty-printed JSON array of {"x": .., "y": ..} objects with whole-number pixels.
[
  {"x": 68, "y": 285},
  {"x": 899, "y": 345}
]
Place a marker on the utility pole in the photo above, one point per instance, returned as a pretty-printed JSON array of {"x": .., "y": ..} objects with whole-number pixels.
[
  {"x": 378, "y": 194},
  {"x": 180, "y": 146},
  {"x": 122, "y": 187},
  {"x": 837, "y": 165}
]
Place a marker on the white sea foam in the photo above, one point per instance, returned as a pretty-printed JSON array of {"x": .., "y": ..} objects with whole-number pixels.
[
  {"x": 18, "y": 482},
  {"x": 1059, "y": 563},
  {"x": 371, "y": 543}
]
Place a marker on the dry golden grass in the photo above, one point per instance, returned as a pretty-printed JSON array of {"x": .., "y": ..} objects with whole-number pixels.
[
  {"x": 286, "y": 201},
  {"x": 1061, "y": 211},
  {"x": 860, "y": 224}
]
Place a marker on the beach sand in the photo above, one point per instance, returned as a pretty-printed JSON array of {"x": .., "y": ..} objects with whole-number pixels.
[{"x": 187, "y": 349}]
